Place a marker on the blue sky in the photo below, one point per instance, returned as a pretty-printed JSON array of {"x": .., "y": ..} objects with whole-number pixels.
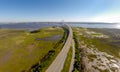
[{"x": 57, "y": 10}]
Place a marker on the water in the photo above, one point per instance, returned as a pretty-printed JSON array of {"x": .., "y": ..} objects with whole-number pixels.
[
  {"x": 34, "y": 26},
  {"x": 116, "y": 26},
  {"x": 28, "y": 26}
]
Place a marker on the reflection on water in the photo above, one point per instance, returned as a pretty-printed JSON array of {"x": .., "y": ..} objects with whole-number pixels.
[
  {"x": 34, "y": 26},
  {"x": 27, "y": 26},
  {"x": 117, "y": 26}
]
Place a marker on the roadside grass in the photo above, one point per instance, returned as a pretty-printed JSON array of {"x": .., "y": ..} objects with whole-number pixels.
[
  {"x": 68, "y": 61},
  {"x": 77, "y": 64},
  {"x": 19, "y": 50}
]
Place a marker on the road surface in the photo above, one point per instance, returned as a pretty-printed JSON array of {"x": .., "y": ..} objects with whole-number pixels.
[{"x": 59, "y": 61}]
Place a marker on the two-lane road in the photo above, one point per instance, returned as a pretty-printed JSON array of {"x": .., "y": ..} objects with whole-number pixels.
[{"x": 59, "y": 61}]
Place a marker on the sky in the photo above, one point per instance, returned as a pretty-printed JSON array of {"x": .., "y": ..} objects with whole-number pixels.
[{"x": 57, "y": 10}]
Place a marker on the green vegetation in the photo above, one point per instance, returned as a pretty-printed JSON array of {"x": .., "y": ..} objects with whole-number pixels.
[
  {"x": 102, "y": 44},
  {"x": 77, "y": 65},
  {"x": 19, "y": 49},
  {"x": 91, "y": 57},
  {"x": 97, "y": 40},
  {"x": 110, "y": 45},
  {"x": 68, "y": 61},
  {"x": 47, "y": 59}
]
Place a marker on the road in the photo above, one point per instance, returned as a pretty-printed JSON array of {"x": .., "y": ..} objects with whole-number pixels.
[{"x": 58, "y": 63}]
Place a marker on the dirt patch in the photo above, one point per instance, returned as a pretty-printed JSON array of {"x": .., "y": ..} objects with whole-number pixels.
[
  {"x": 5, "y": 57},
  {"x": 30, "y": 47}
]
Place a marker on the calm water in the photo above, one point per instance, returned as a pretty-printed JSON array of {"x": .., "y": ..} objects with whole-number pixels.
[
  {"x": 42, "y": 25},
  {"x": 28, "y": 26},
  {"x": 117, "y": 26}
]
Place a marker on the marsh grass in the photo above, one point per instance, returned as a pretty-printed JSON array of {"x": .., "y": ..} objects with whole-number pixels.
[
  {"x": 109, "y": 45},
  {"x": 19, "y": 50},
  {"x": 102, "y": 44},
  {"x": 47, "y": 59}
]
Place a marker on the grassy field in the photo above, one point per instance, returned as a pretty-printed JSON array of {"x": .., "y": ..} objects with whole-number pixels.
[
  {"x": 20, "y": 49},
  {"x": 110, "y": 45},
  {"x": 68, "y": 61}
]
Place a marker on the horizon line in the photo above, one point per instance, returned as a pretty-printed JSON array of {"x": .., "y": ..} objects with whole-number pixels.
[{"x": 57, "y": 22}]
